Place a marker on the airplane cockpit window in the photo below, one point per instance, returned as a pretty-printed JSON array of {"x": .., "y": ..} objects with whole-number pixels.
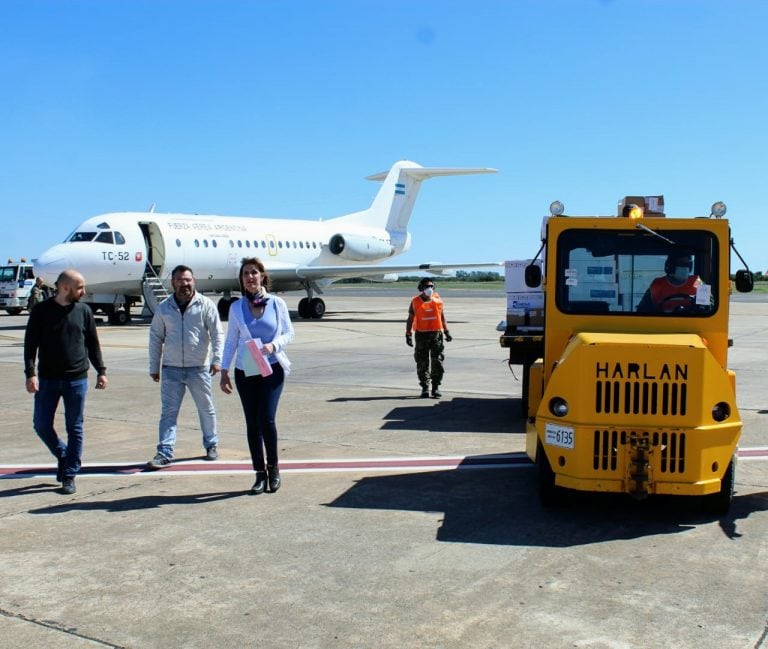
[
  {"x": 105, "y": 237},
  {"x": 119, "y": 239},
  {"x": 620, "y": 272},
  {"x": 82, "y": 236}
]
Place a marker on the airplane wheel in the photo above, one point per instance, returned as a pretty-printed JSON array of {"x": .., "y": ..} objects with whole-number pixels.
[
  {"x": 304, "y": 307},
  {"x": 119, "y": 317},
  {"x": 316, "y": 308}
]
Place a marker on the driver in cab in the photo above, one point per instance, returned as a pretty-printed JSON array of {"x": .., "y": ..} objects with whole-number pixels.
[{"x": 674, "y": 291}]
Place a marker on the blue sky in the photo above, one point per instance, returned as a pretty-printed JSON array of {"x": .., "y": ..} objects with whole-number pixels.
[{"x": 280, "y": 108}]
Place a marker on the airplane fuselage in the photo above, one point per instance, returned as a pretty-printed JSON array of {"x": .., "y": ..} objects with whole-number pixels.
[{"x": 114, "y": 251}]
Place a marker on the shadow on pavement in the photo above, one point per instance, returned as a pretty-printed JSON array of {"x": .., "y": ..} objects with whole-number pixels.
[
  {"x": 138, "y": 502},
  {"x": 458, "y": 415},
  {"x": 501, "y": 507}
]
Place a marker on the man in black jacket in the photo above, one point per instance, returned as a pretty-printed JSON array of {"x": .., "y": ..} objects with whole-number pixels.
[{"x": 61, "y": 334}]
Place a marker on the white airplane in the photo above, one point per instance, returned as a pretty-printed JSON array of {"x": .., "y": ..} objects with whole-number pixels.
[{"x": 126, "y": 256}]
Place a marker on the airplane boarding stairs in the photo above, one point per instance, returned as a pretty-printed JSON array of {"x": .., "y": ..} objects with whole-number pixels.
[{"x": 154, "y": 291}]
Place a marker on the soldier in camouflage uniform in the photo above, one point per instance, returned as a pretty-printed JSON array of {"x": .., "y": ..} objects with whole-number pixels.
[{"x": 426, "y": 322}]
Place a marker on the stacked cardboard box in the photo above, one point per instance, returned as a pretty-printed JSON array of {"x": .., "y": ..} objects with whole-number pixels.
[
  {"x": 525, "y": 304},
  {"x": 593, "y": 279}
]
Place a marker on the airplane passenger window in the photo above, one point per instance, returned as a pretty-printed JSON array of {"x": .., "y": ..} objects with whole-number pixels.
[
  {"x": 231, "y": 243},
  {"x": 197, "y": 243},
  {"x": 239, "y": 243},
  {"x": 214, "y": 244},
  {"x": 105, "y": 237},
  {"x": 205, "y": 243},
  {"x": 247, "y": 243},
  {"x": 178, "y": 243},
  {"x": 279, "y": 244},
  {"x": 263, "y": 244},
  {"x": 82, "y": 236},
  {"x": 271, "y": 244},
  {"x": 119, "y": 238}
]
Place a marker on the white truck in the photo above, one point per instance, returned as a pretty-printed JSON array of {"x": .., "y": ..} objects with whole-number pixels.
[{"x": 16, "y": 281}]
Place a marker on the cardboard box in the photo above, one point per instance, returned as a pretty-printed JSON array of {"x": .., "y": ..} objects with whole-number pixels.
[
  {"x": 525, "y": 301},
  {"x": 516, "y": 317},
  {"x": 536, "y": 317}
]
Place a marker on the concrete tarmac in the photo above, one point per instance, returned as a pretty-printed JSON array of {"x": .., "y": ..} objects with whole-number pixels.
[{"x": 402, "y": 522}]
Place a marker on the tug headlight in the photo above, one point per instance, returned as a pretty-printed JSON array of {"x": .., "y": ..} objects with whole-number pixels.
[
  {"x": 558, "y": 407},
  {"x": 556, "y": 208},
  {"x": 721, "y": 411},
  {"x": 718, "y": 210}
]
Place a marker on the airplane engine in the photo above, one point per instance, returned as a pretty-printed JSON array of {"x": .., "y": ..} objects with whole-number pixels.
[{"x": 357, "y": 247}]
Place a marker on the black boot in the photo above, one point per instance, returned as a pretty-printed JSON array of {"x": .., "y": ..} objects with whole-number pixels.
[
  {"x": 274, "y": 478},
  {"x": 260, "y": 486}
]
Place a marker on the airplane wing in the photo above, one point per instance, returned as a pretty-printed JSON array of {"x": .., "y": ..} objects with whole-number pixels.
[{"x": 316, "y": 274}]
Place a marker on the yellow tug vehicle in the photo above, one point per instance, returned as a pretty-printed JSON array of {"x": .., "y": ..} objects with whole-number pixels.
[{"x": 626, "y": 383}]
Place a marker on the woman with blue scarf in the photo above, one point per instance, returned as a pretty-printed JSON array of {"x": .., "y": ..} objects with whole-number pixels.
[{"x": 258, "y": 324}]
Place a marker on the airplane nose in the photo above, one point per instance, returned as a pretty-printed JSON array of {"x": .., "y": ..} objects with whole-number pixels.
[{"x": 50, "y": 264}]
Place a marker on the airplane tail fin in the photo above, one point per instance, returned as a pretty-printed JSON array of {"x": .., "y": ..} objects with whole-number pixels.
[{"x": 394, "y": 202}]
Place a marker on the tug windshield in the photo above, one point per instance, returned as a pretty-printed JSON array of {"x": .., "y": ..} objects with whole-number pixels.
[{"x": 659, "y": 273}]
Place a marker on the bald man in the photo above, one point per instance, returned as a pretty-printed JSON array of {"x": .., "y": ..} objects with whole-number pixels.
[{"x": 61, "y": 336}]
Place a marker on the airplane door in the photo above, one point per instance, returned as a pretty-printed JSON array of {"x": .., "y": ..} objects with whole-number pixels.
[
  {"x": 271, "y": 245},
  {"x": 155, "y": 246}
]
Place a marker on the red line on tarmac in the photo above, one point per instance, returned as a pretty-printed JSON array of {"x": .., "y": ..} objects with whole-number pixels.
[
  {"x": 199, "y": 466},
  {"x": 500, "y": 461}
]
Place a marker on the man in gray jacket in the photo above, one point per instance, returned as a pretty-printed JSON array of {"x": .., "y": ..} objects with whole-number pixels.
[{"x": 186, "y": 336}]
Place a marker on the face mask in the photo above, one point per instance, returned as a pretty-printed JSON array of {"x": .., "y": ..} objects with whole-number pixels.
[
  {"x": 428, "y": 292},
  {"x": 681, "y": 274}
]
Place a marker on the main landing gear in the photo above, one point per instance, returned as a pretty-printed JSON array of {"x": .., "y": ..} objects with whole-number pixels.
[{"x": 311, "y": 308}]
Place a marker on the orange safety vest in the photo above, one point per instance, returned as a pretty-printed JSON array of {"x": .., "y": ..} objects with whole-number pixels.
[
  {"x": 427, "y": 316},
  {"x": 662, "y": 291}
]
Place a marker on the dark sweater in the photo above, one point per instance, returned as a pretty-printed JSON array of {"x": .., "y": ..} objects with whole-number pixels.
[{"x": 63, "y": 338}]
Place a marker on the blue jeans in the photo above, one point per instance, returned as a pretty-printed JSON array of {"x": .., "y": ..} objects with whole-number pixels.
[
  {"x": 259, "y": 396},
  {"x": 173, "y": 386},
  {"x": 46, "y": 401}
]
